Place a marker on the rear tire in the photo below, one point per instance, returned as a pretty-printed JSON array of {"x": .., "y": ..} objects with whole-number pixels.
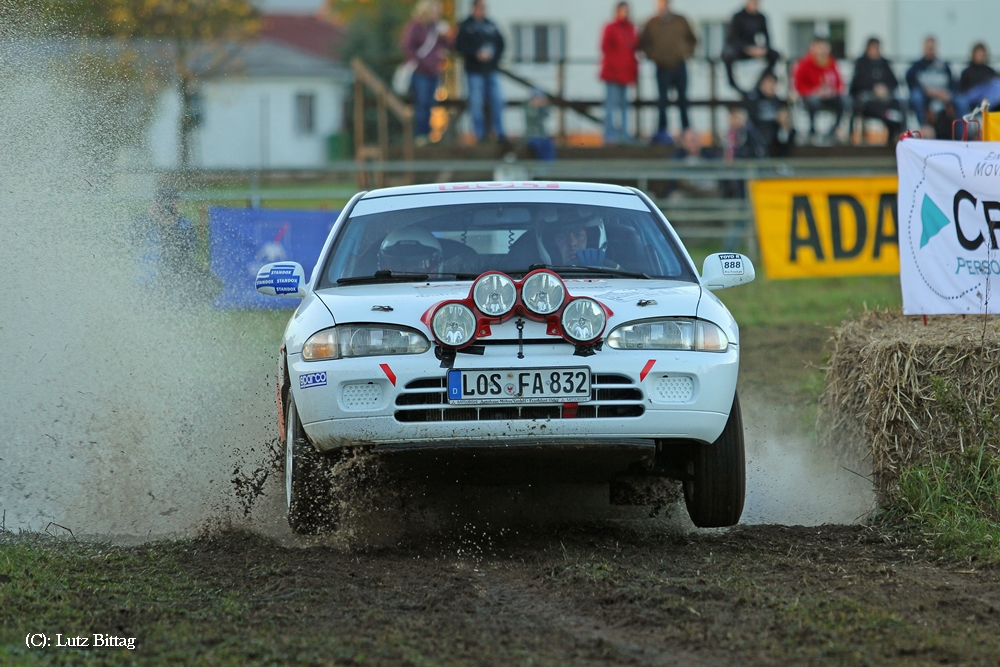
[
  {"x": 308, "y": 480},
  {"x": 716, "y": 486}
]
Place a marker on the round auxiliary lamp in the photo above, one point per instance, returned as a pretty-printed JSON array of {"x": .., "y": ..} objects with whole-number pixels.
[{"x": 495, "y": 297}]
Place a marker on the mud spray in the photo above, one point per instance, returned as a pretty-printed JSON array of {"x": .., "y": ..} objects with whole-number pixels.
[
  {"x": 122, "y": 408},
  {"x": 127, "y": 412}
]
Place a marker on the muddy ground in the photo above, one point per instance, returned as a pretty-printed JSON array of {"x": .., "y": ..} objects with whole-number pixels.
[
  {"x": 600, "y": 594},
  {"x": 630, "y": 590}
]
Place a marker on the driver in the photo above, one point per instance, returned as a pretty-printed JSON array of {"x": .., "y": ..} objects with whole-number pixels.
[
  {"x": 412, "y": 249},
  {"x": 576, "y": 242}
]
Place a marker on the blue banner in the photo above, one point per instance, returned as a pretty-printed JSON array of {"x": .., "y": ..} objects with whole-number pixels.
[{"x": 245, "y": 239}]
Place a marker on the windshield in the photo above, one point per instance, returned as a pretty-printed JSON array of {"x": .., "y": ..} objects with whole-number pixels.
[{"x": 462, "y": 240}]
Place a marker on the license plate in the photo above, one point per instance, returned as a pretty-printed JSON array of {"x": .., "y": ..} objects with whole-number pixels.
[{"x": 523, "y": 385}]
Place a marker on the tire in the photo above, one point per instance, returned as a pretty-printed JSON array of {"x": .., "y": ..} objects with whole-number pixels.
[
  {"x": 716, "y": 486},
  {"x": 308, "y": 481}
]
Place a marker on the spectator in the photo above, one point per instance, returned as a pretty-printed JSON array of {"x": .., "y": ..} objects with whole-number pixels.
[
  {"x": 977, "y": 83},
  {"x": 481, "y": 45},
  {"x": 619, "y": 70},
  {"x": 873, "y": 89},
  {"x": 692, "y": 152},
  {"x": 667, "y": 40},
  {"x": 536, "y": 113},
  {"x": 930, "y": 83},
  {"x": 165, "y": 245},
  {"x": 769, "y": 116},
  {"x": 748, "y": 39},
  {"x": 742, "y": 139},
  {"x": 817, "y": 80},
  {"x": 425, "y": 39}
]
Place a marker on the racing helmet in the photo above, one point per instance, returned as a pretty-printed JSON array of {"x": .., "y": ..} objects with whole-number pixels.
[
  {"x": 412, "y": 249},
  {"x": 569, "y": 219}
]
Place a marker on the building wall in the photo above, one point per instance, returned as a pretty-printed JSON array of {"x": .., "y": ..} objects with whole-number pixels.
[{"x": 251, "y": 124}]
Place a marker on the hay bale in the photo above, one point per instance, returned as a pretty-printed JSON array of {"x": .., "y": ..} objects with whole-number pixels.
[{"x": 900, "y": 391}]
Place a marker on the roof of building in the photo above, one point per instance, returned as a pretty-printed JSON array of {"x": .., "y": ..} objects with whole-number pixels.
[
  {"x": 311, "y": 34},
  {"x": 262, "y": 57}
]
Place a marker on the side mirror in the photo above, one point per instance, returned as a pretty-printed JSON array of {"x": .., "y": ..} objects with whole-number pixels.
[
  {"x": 726, "y": 269},
  {"x": 281, "y": 279}
]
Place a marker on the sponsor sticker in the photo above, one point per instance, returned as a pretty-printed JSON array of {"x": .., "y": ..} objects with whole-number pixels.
[
  {"x": 280, "y": 277},
  {"x": 307, "y": 380},
  {"x": 732, "y": 264}
]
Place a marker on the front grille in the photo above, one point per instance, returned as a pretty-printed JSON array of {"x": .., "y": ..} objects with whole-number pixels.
[{"x": 611, "y": 396}]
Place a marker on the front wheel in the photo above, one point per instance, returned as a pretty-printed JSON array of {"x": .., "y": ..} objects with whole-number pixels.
[
  {"x": 308, "y": 480},
  {"x": 715, "y": 486}
]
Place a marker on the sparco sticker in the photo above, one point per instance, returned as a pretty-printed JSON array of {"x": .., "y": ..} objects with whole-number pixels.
[{"x": 307, "y": 380}]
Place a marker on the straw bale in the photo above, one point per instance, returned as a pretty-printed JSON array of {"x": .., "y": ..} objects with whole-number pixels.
[{"x": 880, "y": 398}]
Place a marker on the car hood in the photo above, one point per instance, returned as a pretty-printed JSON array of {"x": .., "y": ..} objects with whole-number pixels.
[{"x": 409, "y": 301}]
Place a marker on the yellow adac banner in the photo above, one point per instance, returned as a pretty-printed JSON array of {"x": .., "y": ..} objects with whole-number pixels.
[{"x": 821, "y": 227}]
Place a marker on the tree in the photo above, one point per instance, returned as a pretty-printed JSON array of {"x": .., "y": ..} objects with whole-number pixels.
[{"x": 183, "y": 23}]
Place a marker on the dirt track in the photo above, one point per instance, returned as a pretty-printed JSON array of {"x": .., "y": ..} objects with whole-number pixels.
[
  {"x": 628, "y": 592},
  {"x": 605, "y": 594}
]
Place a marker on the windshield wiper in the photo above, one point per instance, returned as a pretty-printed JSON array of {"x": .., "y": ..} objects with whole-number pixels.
[
  {"x": 590, "y": 269},
  {"x": 385, "y": 276}
]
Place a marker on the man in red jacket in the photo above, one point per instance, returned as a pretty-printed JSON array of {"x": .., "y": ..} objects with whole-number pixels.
[
  {"x": 619, "y": 70},
  {"x": 818, "y": 83}
]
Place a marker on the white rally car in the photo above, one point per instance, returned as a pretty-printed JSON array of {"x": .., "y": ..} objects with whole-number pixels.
[{"x": 514, "y": 330}]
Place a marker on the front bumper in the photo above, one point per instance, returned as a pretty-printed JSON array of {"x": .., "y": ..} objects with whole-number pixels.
[{"x": 400, "y": 400}]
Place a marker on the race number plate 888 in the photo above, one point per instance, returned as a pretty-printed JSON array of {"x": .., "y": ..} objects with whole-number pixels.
[{"x": 522, "y": 385}]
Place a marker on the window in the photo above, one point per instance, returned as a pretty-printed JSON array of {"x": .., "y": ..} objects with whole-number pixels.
[
  {"x": 466, "y": 238},
  {"x": 804, "y": 32},
  {"x": 305, "y": 113},
  {"x": 539, "y": 43},
  {"x": 713, "y": 37}
]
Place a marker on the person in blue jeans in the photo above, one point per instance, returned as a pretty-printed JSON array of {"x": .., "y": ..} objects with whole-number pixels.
[
  {"x": 619, "y": 70},
  {"x": 481, "y": 46},
  {"x": 978, "y": 82},
  {"x": 425, "y": 40},
  {"x": 931, "y": 84},
  {"x": 668, "y": 40}
]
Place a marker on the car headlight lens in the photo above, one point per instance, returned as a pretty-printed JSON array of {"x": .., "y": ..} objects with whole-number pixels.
[
  {"x": 666, "y": 334},
  {"x": 710, "y": 338},
  {"x": 363, "y": 340},
  {"x": 494, "y": 294},
  {"x": 543, "y": 293},
  {"x": 583, "y": 320},
  {"x": 454, "y": 324}
]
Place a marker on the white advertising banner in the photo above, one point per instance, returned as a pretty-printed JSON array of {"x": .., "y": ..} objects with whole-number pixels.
[{"x": 949, "y": 227}]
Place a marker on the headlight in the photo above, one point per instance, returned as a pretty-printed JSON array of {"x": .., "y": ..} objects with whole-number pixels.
[
  {"x": 494, "y": 294},
  {"x": 363, "y": 340},
  {"x": 543, "y": 293},
  {"x": 665, "y": 334},
  {"x": 454, "y": 324},
  {"x": 583, "y": 320}
]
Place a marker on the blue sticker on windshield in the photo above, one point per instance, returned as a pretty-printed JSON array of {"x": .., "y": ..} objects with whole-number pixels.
[{"x": 307, "y": 380}]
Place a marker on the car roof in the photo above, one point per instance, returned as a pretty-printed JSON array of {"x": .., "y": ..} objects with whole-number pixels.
[{"x": 494, "y": 186}]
